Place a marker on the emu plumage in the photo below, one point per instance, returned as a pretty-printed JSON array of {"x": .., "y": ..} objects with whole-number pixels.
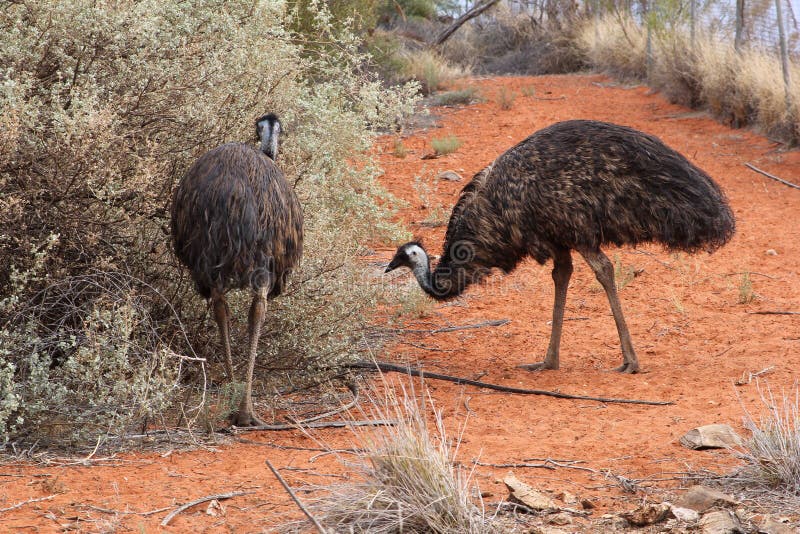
[
  {"x": 236, "y": 223},
  {"x": 575, "y": 185}
]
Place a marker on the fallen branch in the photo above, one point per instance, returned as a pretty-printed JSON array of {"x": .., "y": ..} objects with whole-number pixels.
[
  {"x": 498, "y": 322},
  {"x": 482, "y": 324},
  {"x": 310, "y": 517},
  {"x": 473, "y": 12},
  {"x": 220, "y": 497},
  {"x": 768, "y": 312},
  {"x": 549, "y": 98},
  {"x": 23, "y": 503},
  {"x": 353, "y": 387},
  {"x": 124, "y": 512},
  {"x": 548, "y": 464},
  {"x": 768, "y": 175},
  {"x": 390, "y": 367},
  {"x": 331, "y": 424}
]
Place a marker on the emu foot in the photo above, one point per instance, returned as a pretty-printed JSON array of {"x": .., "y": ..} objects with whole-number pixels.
[
  {"x": 628, "y": 368},
  {"x": 540, "y": 366},
  {"x": 245, "y": 418}
]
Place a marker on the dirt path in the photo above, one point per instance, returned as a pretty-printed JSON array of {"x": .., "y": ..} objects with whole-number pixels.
[{"x": 693, "y": 335}]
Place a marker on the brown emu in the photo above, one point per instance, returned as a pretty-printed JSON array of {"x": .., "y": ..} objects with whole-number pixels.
[
  {"x": 236, "y": 223},
  {"x": 575, "y": 185}
]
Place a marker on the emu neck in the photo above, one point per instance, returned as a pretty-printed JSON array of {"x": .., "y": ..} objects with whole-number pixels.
[{"x": 444, "y": 283}]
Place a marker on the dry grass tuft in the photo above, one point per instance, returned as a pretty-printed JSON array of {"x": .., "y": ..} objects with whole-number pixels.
[
  {"x": 616, "y": 46},
  {"x": 431, "y": 70},
  {"x": 446, "y": 145},
  {"x": 773, "y": 451},
  {"x": 405, "y": 479}
]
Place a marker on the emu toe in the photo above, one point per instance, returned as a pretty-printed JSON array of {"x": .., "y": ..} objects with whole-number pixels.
[
  {"x": 245, "y": 418},
  {"x": 628, "y": 368},
  {"x": 540, "y": 366}
]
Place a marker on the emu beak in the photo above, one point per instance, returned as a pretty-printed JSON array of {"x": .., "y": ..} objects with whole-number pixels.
[{"x": 394, "y": 264}]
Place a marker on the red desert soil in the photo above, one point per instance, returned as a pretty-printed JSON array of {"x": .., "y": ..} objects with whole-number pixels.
[{"x": 693, "y": 336}]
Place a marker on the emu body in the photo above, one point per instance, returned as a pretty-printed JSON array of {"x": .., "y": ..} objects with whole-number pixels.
[
  {"x": 575, "y": 185},
  {"x": 236, "y": 223}
]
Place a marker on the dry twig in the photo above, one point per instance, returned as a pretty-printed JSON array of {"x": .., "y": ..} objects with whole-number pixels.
[
  {"x": 768, "y": 175},
  {"x": 291, "y": 493},
  {"x": 23, "y": 503},
  {"x": 220, "y": 497}
]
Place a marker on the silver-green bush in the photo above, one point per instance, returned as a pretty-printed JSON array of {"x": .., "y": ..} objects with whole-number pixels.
[{"x": 102, "y": 108}]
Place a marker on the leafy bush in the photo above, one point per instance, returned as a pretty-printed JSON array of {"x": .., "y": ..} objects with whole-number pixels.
[{"x": 102, "y": 109}]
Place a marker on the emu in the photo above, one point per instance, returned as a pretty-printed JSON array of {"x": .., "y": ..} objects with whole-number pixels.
[
  {"x": 575, "y": 185},
  {"x": 236, "y": 223}
]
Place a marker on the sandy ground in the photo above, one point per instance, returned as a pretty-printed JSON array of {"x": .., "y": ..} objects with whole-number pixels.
[{"x": 694, "y": 337}]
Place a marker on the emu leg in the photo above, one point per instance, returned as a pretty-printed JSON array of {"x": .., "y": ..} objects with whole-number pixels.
[
  {"x": 562, "y": 270},
  {"x": 246, "y": 416},
  {"x": 604, "y": 272},
  {"x": 222, "y": 316}
]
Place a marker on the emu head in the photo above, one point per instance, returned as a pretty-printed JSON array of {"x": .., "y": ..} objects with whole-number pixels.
[
  {"x": 268, "y": 128},
  {"x": 411, "y": 255}
]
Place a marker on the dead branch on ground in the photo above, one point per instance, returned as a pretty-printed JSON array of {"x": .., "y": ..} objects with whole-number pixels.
[
  {"x": 220, "y": 497},
  {"x": 296, "y": 426},
  {"x": 390, "y": 367},
  {"x": 291, "y": 493},
  {"x": 23, "y": 503},
  {"x": 772, "y": 176}
]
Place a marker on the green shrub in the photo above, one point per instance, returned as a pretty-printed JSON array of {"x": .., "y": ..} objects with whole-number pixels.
[
  {"x": 102, "y": 108},
  {"x": 446, "y": 145},
  {"x": 455, "y": 98}
]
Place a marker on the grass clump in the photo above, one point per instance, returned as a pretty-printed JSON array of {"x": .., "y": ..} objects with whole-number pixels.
[
  {"x": 405, "y": 479},
  {"x": 746, "y": 294},
  {"x": 446, "y": 145},
  {"x": 455, "y": 98},
  {"x": 616, "y": 46},
  {"x": 431, "y": 70},
  {"x": 773, "y": 451},
  {"x": 505, "y": 99},
  {"x": 740, "y": 88}
]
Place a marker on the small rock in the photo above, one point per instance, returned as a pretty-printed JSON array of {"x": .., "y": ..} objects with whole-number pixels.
[
  {"x": 711, "y": 437},
  {"x": 648, "y": 514},
  {"x": 215, "y": 509},
  {"x": 701, "y": 498},
  {"x": 567, "y": 497},
  {"x": 560, "y": 519},
  {"x": 586, "y": 504},
  {"x": 450, "y": 176},
  {"x": 524, "y": 494},
  {"x": 770, "y": 525},
  {"x": 720, "y": 522},
  {"x": 685, "y": 514},
  {"x": 772, "y": 252}
]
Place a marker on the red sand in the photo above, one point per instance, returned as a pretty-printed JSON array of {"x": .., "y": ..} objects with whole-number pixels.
[{"x": 693, "y": 337}]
